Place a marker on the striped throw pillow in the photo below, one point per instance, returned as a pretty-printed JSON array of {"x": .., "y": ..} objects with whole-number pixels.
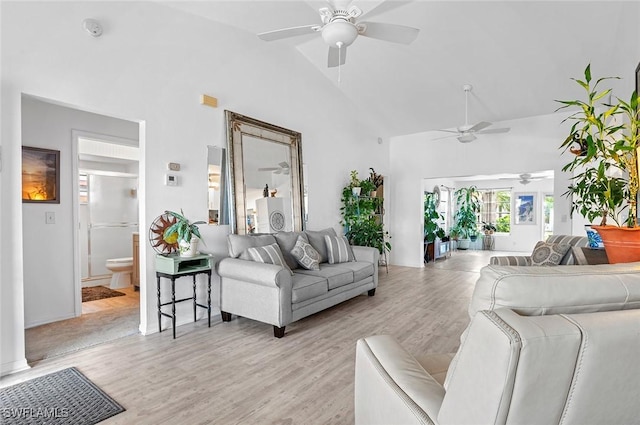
[
  {"x": 338, "y": 249},
  {"x": 268, "y": 254}
]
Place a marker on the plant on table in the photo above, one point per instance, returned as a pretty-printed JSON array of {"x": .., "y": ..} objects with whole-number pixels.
[{"x": 182, "y": 231}]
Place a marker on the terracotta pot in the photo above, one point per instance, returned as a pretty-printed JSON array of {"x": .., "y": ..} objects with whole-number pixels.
[{"x": 622, "y": 244}]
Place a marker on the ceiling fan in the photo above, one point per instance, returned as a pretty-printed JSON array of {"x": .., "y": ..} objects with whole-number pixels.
[
  {"x": 339, "y": 29},
  {"x": 282, "y": 168},
  {"x": 467, "y": 133},
  {"x": 526, "y": 178}
]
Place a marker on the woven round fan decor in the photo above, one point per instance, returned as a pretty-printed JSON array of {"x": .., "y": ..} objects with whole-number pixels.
[{"x": 156, "y": 234}]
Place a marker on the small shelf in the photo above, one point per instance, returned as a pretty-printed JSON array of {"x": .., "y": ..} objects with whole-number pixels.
[{"x": 176, "y": 265}]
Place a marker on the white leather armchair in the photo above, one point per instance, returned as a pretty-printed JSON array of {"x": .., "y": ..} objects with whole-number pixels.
[{"x": 559, "y": 369}]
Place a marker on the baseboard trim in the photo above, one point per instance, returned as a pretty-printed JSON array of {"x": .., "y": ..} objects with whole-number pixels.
[{"x": 13, "y": 367}]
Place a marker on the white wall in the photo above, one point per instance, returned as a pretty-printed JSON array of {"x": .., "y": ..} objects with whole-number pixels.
[
  {"x": 48, "y": 248},
  {"x": 532, "y": 144},
  {"x": 151, "y": 65}
]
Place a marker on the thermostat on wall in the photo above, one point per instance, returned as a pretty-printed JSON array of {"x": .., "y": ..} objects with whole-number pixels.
[{"x": 171, "y": 180}]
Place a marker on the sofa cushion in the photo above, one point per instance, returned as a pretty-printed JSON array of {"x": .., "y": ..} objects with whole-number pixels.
[
  {"x": 571, "y": 241},
  {"x": 269, "y": 254},
  {"x": 305, "y": 287},
  {"x": 316, "y": 239},
  {"x": 338, "y": 249},
  {"x": 238, "y": 244},
  {"x": 361, "y": 269},
  {"x": 286, "y": 241},
  {"x": 335, "y": 276},
  {"x": 305, "y": 254},
  {"x": 548, "y": 254}
]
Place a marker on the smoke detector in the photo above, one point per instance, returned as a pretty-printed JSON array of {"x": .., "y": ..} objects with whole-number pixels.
[{"x": 93, "y": 27}]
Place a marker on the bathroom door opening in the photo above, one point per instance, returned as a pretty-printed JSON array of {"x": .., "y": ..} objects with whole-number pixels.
[{"x": 107, "y": 223}]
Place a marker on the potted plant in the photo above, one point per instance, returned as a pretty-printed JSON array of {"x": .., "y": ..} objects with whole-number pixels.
[
  {"x": 185, "y": 232},
  {"x": 465, "y": 217},
  {"x": 354, "y": 184},
  {"x": 367, "y": 188},
  {"x": 488, "y": 228},
  {"x": 377, "y": 180},
  {"x": 606, "y": 165},
  {"x": 432, "y": 229}
]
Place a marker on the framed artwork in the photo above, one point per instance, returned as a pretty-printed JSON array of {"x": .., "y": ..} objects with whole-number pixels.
[
  {"x": 40, "y": 175},
  {"x": 525, "y": 208}
]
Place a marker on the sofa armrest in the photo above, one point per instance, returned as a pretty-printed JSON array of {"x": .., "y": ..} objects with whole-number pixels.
[
  {"x": 511, "y": 260},
  {"x": 366, "y": 253},
  {"x": 254, "y": 272},
  {"x": 391, "y": 387}
]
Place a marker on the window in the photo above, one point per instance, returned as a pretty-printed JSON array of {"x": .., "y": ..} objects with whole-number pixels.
[
  {"x": 496, "y": 208},
  {"x": 548, "y": 216}
]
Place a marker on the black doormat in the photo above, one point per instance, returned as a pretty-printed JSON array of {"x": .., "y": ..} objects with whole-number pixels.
[
  {"x": 65, "y": 397},
  {"x": 93, "y": 293}
]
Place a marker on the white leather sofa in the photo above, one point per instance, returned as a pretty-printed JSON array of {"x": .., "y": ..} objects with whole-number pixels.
[{"x": 546, "y": 345}]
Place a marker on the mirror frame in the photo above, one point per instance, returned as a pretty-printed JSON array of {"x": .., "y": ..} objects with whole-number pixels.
[{"x": 237, "y": 127}]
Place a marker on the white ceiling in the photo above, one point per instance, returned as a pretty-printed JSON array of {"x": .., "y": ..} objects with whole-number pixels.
[{"x": 518, "y": 55}]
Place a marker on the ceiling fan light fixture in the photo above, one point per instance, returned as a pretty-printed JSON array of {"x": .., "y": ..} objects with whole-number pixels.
[
  {"x": 466, "y": 138},
  {"x": 339, "y": 32}
]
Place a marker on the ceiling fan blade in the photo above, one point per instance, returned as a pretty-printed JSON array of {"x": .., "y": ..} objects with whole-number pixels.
[
  {"x": 449, "y": 136},
  {"x": 379, "y": 7},
  {"x": 389, "y": 32},
  {"x": 269, "y": 169},
  {"x": 288, "y": 32},
  {"x": 337, "y": 56},
  {"x": 283, "y": 164},
  {"x": 479, "y": 126},
  {"x": 449, "y": 131},
  {"x": 494, "y": 131}
]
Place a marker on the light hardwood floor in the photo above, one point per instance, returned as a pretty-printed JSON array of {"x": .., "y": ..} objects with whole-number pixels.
[{"x": 238, "y": 373}]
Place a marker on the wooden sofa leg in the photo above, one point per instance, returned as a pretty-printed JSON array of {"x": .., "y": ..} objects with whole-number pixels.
[
  {"x": 372, "y": 292},
  {"x": 278, "y": 332},
  {"x": 226, "y": 317}
]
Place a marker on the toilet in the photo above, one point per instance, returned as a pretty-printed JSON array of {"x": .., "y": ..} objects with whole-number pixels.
[{"x": 121, "y": 269}]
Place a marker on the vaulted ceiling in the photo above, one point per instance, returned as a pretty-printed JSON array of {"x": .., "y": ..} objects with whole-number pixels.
[{"x": 518, "y": 55}]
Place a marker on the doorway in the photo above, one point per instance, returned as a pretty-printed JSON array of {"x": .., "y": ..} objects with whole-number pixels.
[{"x": 53, "y": 273}]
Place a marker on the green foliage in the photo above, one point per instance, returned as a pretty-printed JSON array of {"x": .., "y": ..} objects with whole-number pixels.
[
  {"x": 362, "y": 225},
  {"x": 606, "y": 158},
  {"x": 488, "y": 227},
  {"x": 182, "y": 227},
  {"x": 355, "y": 182},
  {"x": 367, "y": 186},
  {"x": 431, "y": 216},
  {"x": 467, "y": 210},
  {"x": 503, "y": 224}
]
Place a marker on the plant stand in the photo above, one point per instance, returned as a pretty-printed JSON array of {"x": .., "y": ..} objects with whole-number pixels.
[{"x": 488, "y": 243}]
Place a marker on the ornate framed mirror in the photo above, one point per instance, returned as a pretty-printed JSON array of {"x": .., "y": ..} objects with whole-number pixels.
[{"x": 266, "y": 175}]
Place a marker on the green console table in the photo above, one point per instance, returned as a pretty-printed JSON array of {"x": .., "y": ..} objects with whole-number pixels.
[{"x": 173, "y": 267}]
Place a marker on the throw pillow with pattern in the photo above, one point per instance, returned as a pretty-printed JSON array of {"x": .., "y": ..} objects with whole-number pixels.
[
  {"x": 306, "y": 255},
  {"x": 269, "y": 254},
  {"x": 548, "y": 254},
  {"x": 338, "y": 249}
]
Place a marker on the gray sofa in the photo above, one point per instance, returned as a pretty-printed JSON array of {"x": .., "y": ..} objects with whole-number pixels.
[
  {"x": 275, "y": 295},
  {"x": 525, "y": 260},
  {"x": 545, "y": 345}
]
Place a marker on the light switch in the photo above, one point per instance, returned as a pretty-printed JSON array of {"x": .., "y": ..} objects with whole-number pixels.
[{"x": 50, "y": 217}]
